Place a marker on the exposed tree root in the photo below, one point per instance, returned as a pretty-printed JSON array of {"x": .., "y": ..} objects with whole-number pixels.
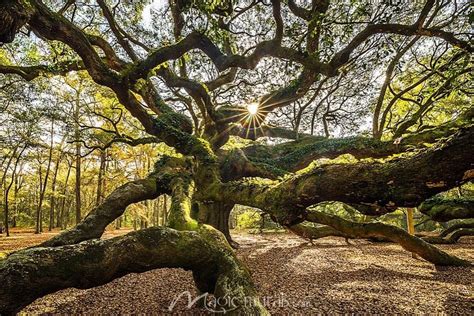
[
  {"x": 31, "y": 273},
  {"x": 395, "y": 234}
]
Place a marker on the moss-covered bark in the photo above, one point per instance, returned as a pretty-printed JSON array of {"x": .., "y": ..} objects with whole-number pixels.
[
  {"x": 234, "y": 165},
  {"x": 374, "y": 188},
  {"x": 453, "y": 233},
  {"x": 295, "y": 155},
  {"x": 28, "y": 274},
  {"x": 182, "y": 189},
  {"x": 467, "y": 223},
  {"x": 443, "y": 210},
  {"x": 312, "y": 233},
  {"x": 217, "y": 215},
  {"x": 94, "y": 224}
]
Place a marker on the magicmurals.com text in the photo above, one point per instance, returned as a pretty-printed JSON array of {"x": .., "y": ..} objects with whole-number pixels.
[{"x": 227, "y": 304}]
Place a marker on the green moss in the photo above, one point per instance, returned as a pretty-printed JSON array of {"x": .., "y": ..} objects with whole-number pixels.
[
  {"x": 290, "y": 155},
  {"x": 445, "y": 209},
  {"x": 271, "y": 169},
  {"x": 181, "y": 204}
]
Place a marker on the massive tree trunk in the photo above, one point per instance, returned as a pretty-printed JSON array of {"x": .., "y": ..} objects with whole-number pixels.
[
  {"x": 374, "y": 188},
  {"x": 32, "y": 273},
  {"x": 217, "y": 215}
]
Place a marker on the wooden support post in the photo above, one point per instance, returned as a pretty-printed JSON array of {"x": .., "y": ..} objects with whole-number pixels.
[{"x": 410, "y": 225}]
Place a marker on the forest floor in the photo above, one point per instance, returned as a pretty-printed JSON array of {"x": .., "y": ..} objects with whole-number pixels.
[{"x": 293, "y": 277}]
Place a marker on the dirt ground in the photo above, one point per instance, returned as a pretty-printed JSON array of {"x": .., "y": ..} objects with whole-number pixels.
[{"x": 293, "y": 277}]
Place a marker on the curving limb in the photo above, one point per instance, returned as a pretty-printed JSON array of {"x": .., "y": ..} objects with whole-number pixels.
[
  {"x": 443, "y": 210},
  {"x": 311, "y": 233},
  {"x": 450, "y": 239},
  {"x": 452, "y": 234},
  {"x": 393, "y": 233},
  {"x": 94, "y": 224},
  {"x": 468, "y": 223},
  {"x": 32, "y": 273},
  {"x": 373, "y": 188}
]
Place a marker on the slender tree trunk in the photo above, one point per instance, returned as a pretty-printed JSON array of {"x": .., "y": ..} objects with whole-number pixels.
[
  {"x": 7, "y": 190},
  {"x": 39, "y": 226},
  {"x": 66, "y": 214},
  {"x": 16, "y": 190},
  {"x": 60, "y": 214},
  {"x": 156, "y": 211},
  {"x": 4, "y": 175},
  {"x": 77, "y": 138},
  {"x": 410, "y": 225},
  {"x": 100, "y": 179},
  {"x": 326, "y": 126},
  {"x": 7, "y": 228},
  {"x": 2, "y": 183},
  {"x": 38, "y": 208},
  {"x": 53, "y": 193},
  {"x": 160, "y": 211}
]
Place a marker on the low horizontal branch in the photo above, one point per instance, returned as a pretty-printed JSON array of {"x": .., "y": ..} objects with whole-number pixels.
[{"x": 32, "y": 273}]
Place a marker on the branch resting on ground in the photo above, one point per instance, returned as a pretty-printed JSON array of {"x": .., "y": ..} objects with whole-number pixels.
[
  {"x": 393, "y": 233},
  {"x": 32, "y": 273}
]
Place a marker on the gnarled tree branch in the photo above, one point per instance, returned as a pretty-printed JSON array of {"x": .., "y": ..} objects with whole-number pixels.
[{"x": 28, "y": 274}]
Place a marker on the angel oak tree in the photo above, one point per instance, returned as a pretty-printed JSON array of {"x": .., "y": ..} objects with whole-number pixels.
[{"x": 206, "y": 180}]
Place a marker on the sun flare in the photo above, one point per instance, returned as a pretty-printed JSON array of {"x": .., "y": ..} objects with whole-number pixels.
[{"x": 252, "y": 108}]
